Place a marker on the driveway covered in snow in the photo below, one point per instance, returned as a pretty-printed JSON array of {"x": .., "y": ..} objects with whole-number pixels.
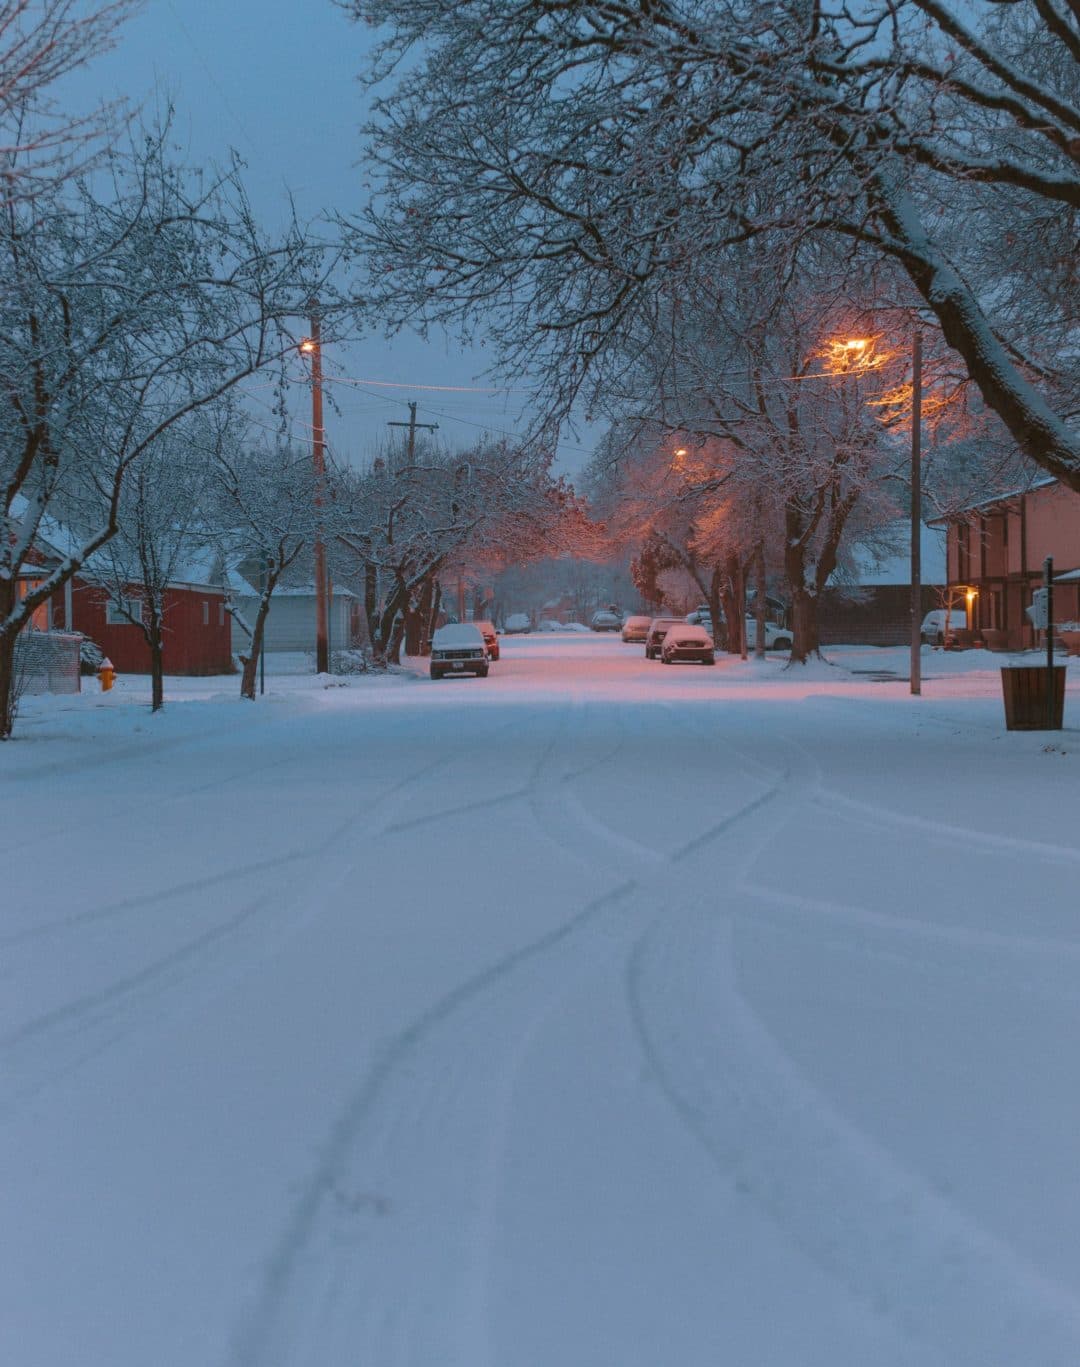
[{"x": 596, "y": 1014}]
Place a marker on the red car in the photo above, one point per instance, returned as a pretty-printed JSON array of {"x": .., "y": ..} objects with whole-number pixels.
[{"x": 491, "y": 640}]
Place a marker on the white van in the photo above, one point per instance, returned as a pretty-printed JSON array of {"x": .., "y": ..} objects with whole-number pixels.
[{"x": 939, "y": 624}]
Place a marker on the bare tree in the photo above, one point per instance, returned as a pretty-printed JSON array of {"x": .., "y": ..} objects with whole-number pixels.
[
  {"x": 267, "y": 519},
  {"x": 412, "y": 520},
  {"x": 162, "y": 531},
  {"x": 122, "y": 313},
  {"x": 42, "y": 41}
]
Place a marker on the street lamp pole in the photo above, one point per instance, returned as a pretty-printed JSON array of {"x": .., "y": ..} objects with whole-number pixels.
[
  {"x": 916, "y": 512},
  {"x": 312, "y": 347}
]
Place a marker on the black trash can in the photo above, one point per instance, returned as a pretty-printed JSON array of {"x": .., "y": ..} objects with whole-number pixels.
[{"x": 1024, "y": 691}]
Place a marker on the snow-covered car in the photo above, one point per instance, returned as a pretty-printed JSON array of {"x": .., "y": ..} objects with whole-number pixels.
[
  {"x": 938, "y": 625},
  {"x": 687, "y": 643},
  {"x": 459, "y": 649},
  {"x": 517, "y": 623},
  {"x": 604, "y": 620},
  {"x": 658, "y": 629},
  {"x": 636, "y": 628},
  {"x": 491, "y": 639}
]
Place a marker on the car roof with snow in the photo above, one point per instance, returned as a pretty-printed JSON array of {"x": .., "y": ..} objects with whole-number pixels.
[
  {"x": 458, "y": 634},
  {"x": 688, "y": 631}
]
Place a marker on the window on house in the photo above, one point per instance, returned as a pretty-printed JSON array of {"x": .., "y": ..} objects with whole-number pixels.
[
  {"x": 205, "y": 613},
  {"x": 123, "y": 612},
  {"x": 221, "y": 615}
]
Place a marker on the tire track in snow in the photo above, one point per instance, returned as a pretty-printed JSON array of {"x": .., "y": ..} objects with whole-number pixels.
[
  {"x": 56, "y": 1042},
  {"x": 879, "y": 1230},
  {"x": 396, "y": 793},
  {"x": 348, "y": 1280},
  {"x": 882, "y": 818},
  {"x": 438, "y": 1081}
]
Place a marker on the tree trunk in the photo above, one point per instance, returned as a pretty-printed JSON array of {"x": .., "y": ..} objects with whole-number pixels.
[
  {"x": 251, "y": 664},
  {"x": 371, "y": 603},
  {"x": 434, "y": 604},
  {"x": 157, "y": 662},
  {"x": 760, "y": 613},
  {"x": 393, "y": 646},
  {"x": 805, "y": 640},
  {"x": 413, "y": 631},
  {"x": 8, "y": 700},
  {"x": 733, "y": 606}
]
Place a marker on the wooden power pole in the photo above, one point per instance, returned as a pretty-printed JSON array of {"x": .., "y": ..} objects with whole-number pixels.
[{"x": 412, "y": 425}]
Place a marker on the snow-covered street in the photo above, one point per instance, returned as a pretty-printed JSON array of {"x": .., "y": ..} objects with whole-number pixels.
[{"x": 596, "y": 1014}]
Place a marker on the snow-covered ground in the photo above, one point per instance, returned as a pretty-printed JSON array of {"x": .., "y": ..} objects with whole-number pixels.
[{"x": 596, "y": 1014}]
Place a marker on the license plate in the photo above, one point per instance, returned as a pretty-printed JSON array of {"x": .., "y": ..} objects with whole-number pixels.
[{"x": 458, "y": 664}]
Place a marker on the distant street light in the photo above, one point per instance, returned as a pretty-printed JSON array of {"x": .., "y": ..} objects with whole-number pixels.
[{"x": 312, "y": 347}]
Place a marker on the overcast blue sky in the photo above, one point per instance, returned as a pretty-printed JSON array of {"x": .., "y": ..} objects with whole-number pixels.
[{"x": 278, "y": 82}]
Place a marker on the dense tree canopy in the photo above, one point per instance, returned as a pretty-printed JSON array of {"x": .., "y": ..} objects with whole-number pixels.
[{"x": 552, "y": 168}]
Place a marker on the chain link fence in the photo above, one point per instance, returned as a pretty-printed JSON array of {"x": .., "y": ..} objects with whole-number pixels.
[{"x": 47, "y": 662}]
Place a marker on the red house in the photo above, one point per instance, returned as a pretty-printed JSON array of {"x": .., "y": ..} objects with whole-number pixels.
[
  {"x": 196, "y": 627},
  {"x": 197, "y": 630}
]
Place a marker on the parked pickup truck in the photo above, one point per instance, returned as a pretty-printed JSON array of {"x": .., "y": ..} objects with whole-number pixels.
[{"x": 776, "y": 637}]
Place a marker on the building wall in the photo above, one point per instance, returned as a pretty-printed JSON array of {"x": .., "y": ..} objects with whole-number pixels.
[
  {"x": 290, "y": 624},
  {"x": 1053, "y": 528},
  {"x": 874, "y": 615},
  {"x": 1000, "y": 552},
  {"x": 196, "y": 631}
]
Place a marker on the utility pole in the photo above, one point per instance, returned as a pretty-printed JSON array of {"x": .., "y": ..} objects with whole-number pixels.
[
  {"x": 312, "y": 346},
  {"x": 412, "y": 425},
  {"x": 916, "y": 512}
]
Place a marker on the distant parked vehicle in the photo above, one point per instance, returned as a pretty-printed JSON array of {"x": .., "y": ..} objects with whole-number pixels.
[
  {"x": 939, "y": 627},
  {"x": 687, "y": 643},
  {"x": 606, "y": 620},
  {"x": 636, "y": 628},
  {"x": 517, "y": 623},
  {"x": 658, "y": 629},
  {"x": 776, "y": 638},
  {"x": 459, "y": 649},
  {"x": 491, "y": 639}
]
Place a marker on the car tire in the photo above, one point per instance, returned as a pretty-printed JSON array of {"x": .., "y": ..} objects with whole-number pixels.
[
  {"x": 711, "y": 660},
  {"x": 664, "y": 660},
  {"x": 436, "y": 673},
  {"x": 781, "y": 643},
  {"x": 482, "y": 673}
]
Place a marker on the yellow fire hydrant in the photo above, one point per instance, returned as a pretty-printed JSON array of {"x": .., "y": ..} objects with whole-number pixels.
[{"x": 106, "y": 674}]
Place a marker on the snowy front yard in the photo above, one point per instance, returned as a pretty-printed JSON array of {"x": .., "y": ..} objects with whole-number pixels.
[{"x": 596, "y": 1014}]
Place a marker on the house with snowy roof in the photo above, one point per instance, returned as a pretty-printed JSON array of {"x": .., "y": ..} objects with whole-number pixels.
[
  {"x": 196, "y": 625},
  {"x": 872, "y": 604}
]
